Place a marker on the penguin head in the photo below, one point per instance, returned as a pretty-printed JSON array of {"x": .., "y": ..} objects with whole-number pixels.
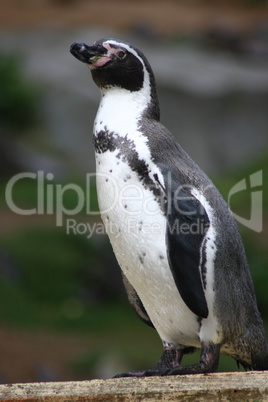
[{"x": 114, "y": 63}]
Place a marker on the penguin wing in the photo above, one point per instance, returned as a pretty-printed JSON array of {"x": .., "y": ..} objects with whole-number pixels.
[
  {"x": 187, "y": 224},
  {"x": 136, "y": 302}
]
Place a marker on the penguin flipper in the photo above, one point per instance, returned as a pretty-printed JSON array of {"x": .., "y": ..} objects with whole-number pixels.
[
  {"x": 136, "y": 302},
  {"x": 187, "y": 224}
]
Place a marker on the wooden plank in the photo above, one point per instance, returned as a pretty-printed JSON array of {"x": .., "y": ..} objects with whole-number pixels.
[{"x": 237, "y": 386}]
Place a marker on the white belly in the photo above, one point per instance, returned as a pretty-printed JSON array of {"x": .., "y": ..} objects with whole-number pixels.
[{"x": 136, "y": 227}]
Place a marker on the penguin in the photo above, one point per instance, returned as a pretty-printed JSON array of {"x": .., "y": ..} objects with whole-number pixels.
[{"x": 179, "y": 249}]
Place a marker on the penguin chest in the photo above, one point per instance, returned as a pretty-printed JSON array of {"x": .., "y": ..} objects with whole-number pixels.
[
  {"x": 133, "y": 216},
  {"x": 130, "y": 211}
]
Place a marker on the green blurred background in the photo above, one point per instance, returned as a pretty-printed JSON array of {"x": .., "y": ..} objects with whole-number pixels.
[{"x": 63, "y": 311}]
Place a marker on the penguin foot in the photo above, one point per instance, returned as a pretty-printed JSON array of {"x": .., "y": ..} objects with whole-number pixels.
[
  {"x": 209, "y": 361},
  {"x": 169, "y": 360},
  {"x": 142, "y": 373},
  {"x": 169, "y": 364}
]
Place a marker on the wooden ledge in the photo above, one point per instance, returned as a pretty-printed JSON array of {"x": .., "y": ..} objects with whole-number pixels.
[{"x": 250, "y": 386}]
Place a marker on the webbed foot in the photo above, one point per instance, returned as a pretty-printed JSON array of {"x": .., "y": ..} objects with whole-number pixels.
[{"x": 169, "y": 364}]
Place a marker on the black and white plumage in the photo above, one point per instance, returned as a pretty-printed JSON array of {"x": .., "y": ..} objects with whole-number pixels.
[{"x": 179, "y": 249}]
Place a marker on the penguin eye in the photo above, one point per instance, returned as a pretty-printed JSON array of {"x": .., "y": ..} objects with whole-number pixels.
[{"x": 121, "y": 54}]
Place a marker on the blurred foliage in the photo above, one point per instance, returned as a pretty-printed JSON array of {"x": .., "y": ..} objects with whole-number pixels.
[
  {"x": 54, "y": 279},
  {"x": 18, "y": 96},
  {"x": 19, "y": 110}
]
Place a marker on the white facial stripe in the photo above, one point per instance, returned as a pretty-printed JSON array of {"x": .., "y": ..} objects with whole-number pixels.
[{"x": 123, "y": 46}]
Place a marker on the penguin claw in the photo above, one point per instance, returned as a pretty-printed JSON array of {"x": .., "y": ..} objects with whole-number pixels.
[
  {"x": 142, "y": 373},
  {"x": 184, "y": 370},
  {"x": 178, "y": 370},
  {"x": 170, "y": 360}
]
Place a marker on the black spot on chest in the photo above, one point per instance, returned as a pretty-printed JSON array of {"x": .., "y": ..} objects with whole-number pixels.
[
  {"x": 125, "y": 150},
  {"x": 103, "y": 142}
]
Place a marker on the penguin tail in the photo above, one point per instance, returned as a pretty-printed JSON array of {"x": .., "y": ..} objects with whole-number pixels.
[
  {"x": 261, "y": 364},
  {"x": 260, "y": 361},
  {"x": 246, "y": 366}
]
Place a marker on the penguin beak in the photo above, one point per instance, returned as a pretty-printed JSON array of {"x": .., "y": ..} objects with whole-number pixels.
[{"x": 94, "y": 56}]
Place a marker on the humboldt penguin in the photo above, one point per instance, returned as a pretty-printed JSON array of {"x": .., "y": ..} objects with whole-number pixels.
[{"x": 182, "y": 259}]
